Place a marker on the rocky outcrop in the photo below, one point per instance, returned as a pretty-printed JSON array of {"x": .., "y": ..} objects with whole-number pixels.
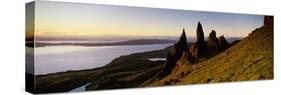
[
  {"x": 223, "y": 43},
  {"x": 180, "y": 46},
  {"x": 175, "y": 54},
  {"x": 183, "y": 42},
  {"x": 199, "y": 33},
  {"x": 216, "y": 45},
  {"x": 268, "y": 22},
  {"x": 199, "y": 48},
  {"x": 249, "y": 59},
  {"x": 213, "y": 43}
]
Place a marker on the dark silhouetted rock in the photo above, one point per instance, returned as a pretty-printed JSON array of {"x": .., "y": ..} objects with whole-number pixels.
[
  {"x": 199, "y": 48},
  {"x": 182, "y": 42},
  {"x": 212, "y": 39},
  {"x": 213, "y": 43},
  {"x": 175, "y": 54},
  {"x": 268, "y": 22},
  {"x": 199, "y": 33},
  {"x": 223, "y": 43},
  {"x": 170, "y": 63}
]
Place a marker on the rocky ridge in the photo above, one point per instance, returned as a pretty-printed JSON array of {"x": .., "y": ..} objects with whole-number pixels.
[{"x": 198, "y": 51}]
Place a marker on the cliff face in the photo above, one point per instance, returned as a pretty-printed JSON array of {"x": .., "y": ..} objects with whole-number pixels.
[{"x": 249, "y": 59}]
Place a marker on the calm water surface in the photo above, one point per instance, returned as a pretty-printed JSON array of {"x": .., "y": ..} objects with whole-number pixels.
[{"x": 53, "y": 59}]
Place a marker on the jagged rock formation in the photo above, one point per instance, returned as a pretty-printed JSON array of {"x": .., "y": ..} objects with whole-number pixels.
[
  {"x": 202, "y": 49},
  {"x": 249, "y": 59},
  {"x": 223, "y": 43},
  {"x": 200, "y": 33},
  {"x": 183, "y": 42},
  {"x": 175, "y": 54},
  {"x": 199, "y": 48},
  {"x": 213, "y": 43}
]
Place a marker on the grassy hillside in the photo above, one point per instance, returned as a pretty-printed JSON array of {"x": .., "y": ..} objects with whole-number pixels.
[
  {"x": 250, "y": 59},
  {"x": 123, "y": 72}
]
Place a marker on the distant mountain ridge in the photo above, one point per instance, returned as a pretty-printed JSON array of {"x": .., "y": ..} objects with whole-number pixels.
[{"x": 129, "y": 42}]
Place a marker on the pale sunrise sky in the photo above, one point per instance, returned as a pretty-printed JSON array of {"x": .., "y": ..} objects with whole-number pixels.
[{"x": 57, "y": 19}]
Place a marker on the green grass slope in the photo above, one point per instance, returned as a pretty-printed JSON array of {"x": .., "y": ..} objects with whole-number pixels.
[{"x": 250, "y": 59}]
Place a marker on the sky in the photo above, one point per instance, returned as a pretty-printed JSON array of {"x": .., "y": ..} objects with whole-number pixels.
[{"x": 76, "y": 20}]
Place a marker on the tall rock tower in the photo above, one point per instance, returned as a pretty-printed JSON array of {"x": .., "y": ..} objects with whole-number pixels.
[
  {"x": 199, "y": 48},
  {"x": 213, "y": 43},
  {"x": 183, "y": 42},
  {"x": 199, "y": 33},
  {"x": 223, "y": 43}
]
